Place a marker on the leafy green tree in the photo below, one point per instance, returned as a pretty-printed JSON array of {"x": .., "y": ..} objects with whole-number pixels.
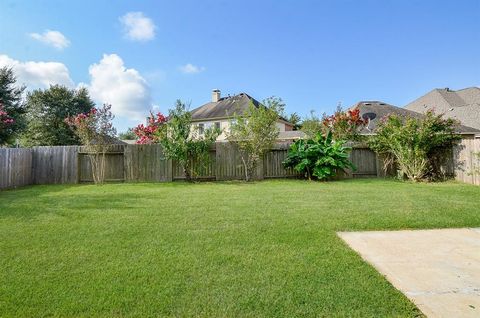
[
  {"x": 255, "y": 132},
  {"x": 344, "y": 125},
  {"x": 312, "y": 125},
  {"x": 47, "y": 110},
  {"x": 183, "y": 143},
  {"x": 418, "y": 146},
  {"x": 96, "y": 132},
  {"x": 294, "y": 119},
  {"x": 12, "y": 103},
  {"x": 321, "y": 157},
  {"x": 127, "y": 135}
]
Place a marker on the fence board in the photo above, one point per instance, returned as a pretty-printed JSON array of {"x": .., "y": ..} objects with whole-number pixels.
[
  {"x": 15, "y": 167},
  {"x": 465, "y": 161},
  {"x": 365, "y": 162},
  {"x": 54, "y": 165},
  {"x": 146, "y": 163}
]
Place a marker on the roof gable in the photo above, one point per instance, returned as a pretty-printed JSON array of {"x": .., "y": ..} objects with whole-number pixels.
[
  {"x": 462, "y": 105},
  {"x": 226, "y": 107},
  {"x": 381, "y": 109}
]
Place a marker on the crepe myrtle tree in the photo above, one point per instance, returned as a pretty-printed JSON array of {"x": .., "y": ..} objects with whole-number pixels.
[
  {"x": 418, "y": 146},
  {"x": 344, "y": 124},
  {"x": 96, "y": 132},
  {"x": 150, "y": 133},
  {"x": 254, "y": 132},
  {"x": 6, "y": 122},
  {"x": 183, "y": 143}
]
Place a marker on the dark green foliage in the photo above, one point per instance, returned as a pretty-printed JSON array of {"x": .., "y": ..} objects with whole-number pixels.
[
  {"x": 47, "y": 110},
  {"x": 295, "y": 120},
  {"x": 312, "y": 125},
  {"x": 418, "y": 146},
  {"x": 11, "y": 99},
  {"x": 320, "y": 157},
  {"x": 182, "y": 141},
  {"x": 255, "y": 131}
]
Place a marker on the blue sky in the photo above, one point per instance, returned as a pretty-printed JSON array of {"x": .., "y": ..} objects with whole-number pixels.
[{"x": 313, "y": 54}]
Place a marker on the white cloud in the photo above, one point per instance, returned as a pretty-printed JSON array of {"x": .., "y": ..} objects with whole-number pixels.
[
  {"x": 138, "y": 27},
  {"x": 124, "y": 88},
  {"x": 191, "y": 69},
  {"x": 38, "y": 74},
  {"x": 53, "y": 38}
]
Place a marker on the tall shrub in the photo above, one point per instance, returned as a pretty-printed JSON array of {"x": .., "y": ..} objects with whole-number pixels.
[
  {"x": 321, "y": 157},
  {"x": 255, "y": 131},
  {"x": 418, "y": 146},
  {"x": 182, "y": 142},
  {"x": 96, "y": 132},
  {"x": 344, "y": 125}
]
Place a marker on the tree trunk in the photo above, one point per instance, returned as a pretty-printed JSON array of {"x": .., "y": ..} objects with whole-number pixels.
[{"x": 186, "y": 171}]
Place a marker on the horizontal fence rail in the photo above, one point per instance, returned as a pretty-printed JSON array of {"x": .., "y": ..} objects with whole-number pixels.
[{"x": 147, "y": 163}]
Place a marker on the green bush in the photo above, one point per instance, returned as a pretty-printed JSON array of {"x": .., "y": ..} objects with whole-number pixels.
[
  {"x": 418, "y": 146},
  {"x": 320, "y": 156}
]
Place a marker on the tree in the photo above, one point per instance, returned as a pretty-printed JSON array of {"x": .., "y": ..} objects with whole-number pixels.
[
  {"x": 47, "y": 110},
  {"x": 255, "y": 132},
  {"x": 12, "y": 104},
  {"x": 96, "y": 132},
  {"x": 321, "y": 157},
  {"x": 127, "y": 135},
  {"x": 311, "y": 125},
  {"x": 344, "y": 125},
  {"x": 417, "y": 145},
  {"x": 182, "y": 142},
  {"x": 6, "y": 121},
  {"x": 149, "y": 134},
  {"x": 295, "y": 120}
]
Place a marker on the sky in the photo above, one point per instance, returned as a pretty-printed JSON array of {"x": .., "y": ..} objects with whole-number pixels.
[{"x": 144, "y": 55}]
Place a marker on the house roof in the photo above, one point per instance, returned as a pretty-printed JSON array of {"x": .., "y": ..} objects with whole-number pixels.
[
  {"x": 379, "y": 109},
  {"x": 462, "y": 105},
  {"x": 226, "y": 107}
]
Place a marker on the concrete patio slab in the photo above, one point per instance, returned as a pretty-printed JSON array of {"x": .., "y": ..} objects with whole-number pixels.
[{"x": 439, "y": 270}]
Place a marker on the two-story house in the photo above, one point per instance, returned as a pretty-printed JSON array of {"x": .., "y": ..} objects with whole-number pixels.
[{"x": 220, "y": 111}]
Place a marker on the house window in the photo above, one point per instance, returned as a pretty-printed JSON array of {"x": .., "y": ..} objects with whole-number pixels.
[
  {"x": 201, "y": 129},
  {"x": 217, "y": 125}
]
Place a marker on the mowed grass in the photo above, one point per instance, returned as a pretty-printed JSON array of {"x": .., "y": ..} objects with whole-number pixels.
[{"x": 267, "y": 249}]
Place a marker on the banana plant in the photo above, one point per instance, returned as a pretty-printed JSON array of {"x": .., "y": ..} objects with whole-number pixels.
[{"x": 320, "y": 157}]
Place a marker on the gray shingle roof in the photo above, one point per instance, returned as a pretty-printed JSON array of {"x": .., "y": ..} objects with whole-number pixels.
[
  {"x": 381, "y": 109},
  {"x": 462, "y": 105},
  {"x": 226, "y": 107}
]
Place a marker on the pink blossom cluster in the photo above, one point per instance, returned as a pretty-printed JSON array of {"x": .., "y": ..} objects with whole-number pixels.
[
  {"x": 147, "y": 133},
  {"x": 4, "y": 117},
  {"x": 80, "y": 119}
]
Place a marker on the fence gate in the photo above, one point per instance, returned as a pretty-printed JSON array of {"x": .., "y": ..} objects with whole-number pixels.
[
  {"x": 365, "y": 160},
  {"x": 114, "y": 165}
]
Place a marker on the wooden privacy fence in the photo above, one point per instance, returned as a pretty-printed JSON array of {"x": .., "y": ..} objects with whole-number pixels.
[
  {"x": 147, "y": 163},
  {"x": 466, "y": 158}
]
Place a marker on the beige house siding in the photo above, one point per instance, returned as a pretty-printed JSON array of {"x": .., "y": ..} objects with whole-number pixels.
[{"x": 225, "y": 126}]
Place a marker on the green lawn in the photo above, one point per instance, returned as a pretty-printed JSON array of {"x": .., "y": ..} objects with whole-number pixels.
[{"x": 211, "y": 249}]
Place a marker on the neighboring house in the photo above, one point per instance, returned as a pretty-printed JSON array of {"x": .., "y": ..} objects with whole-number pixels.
[
  {"x": 463, "y": 104},
  {"x": 220, "y": 111},
  {"x": 374, "y": 111}
]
